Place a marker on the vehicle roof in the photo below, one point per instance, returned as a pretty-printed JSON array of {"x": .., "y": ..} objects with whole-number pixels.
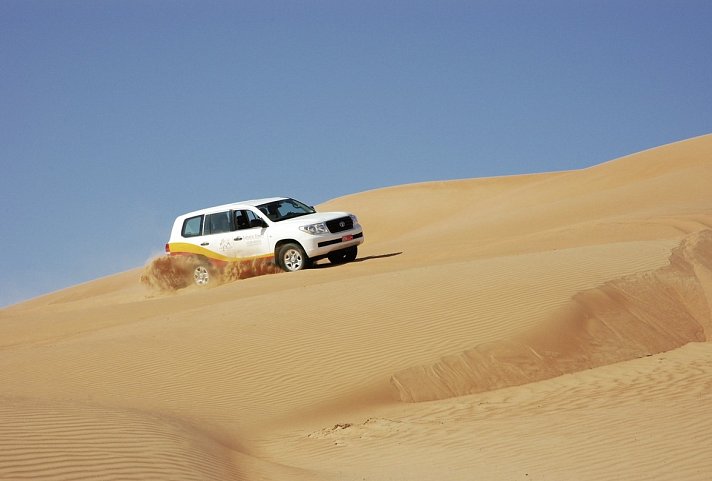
[{"x": 234, "y": 206}]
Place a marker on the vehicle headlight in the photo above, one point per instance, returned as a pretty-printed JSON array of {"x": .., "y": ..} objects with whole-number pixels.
[
  {"x": 315, "y": 229},
  {"x": 354, "y": 219}
]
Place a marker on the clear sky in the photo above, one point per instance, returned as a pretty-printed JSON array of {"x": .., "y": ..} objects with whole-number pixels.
[{"x": 118, "y": 115}]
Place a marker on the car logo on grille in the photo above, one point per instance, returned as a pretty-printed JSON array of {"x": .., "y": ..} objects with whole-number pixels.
[{"x": 342, "y": 224}]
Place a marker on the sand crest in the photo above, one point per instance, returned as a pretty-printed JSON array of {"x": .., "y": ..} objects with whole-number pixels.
[{"x": 626, "y": 318}]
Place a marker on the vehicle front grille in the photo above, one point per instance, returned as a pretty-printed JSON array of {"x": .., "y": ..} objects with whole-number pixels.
[{"x": 340, "y": 224}]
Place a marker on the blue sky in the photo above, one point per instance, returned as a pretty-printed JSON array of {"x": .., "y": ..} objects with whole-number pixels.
[{"x": 116, "y": 116}]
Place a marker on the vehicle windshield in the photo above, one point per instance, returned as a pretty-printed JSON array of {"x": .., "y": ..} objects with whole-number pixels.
[{"x": 284, "y": 209}]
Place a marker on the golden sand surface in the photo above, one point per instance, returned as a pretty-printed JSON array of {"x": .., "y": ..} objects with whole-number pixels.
[{"x": 538, "y": 327}]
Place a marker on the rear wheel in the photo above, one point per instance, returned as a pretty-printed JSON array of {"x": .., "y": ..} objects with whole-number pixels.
[
  {"x": 343, "y": 255},
  {"x": 201, "y": 275},
  {"x": 291, "y": 257}
]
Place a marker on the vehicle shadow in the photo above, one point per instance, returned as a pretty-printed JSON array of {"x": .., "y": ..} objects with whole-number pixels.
[
  {"x": 380, "y": 256},
  {"x": 328, "y": 265}
]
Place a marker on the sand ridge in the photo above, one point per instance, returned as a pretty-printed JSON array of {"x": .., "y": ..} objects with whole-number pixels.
[
  {"x": 635, "y": 420},
  {"x": 290, "y": 376},
  {"x": 626, "y": 318}
]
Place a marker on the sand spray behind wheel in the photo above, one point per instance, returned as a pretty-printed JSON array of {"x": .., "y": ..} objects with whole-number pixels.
[{"x": 170, "y": 273}]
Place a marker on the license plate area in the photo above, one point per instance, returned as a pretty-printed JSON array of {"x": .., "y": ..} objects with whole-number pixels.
[{"x": 347, "y": 238}]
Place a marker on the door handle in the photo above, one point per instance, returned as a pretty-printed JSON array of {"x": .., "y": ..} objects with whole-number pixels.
[
  {"x": 237, "y": 238},
  {"x": 205, "y": 244}
]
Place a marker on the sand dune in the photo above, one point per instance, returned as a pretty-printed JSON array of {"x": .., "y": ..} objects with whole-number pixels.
[
  {"x": 69, "y": 440},
  {"x": 637, "y": 420},
  {"x": 558, "y": 324},
  {"x": 626, "y": 318}
]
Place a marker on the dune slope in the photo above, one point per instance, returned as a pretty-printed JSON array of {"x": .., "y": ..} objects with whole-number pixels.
[
  {"x": 547, "y": 318},
  {"x": 626, "y": 318}
]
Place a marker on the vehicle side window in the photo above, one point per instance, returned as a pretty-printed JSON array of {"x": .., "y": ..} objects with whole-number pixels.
[
  {"x": 246, "y": 219},
  {"x": 217, "y": 223},
  {"x": 192, "y": 226},
  {"x": 241, "y": 220},
  {"x": 255, "y": 220}
]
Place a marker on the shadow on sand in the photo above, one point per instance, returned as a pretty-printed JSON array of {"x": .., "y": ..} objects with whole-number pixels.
[
  {"x": 328, "y": 265},
  {"x": 381, "y": 256}
]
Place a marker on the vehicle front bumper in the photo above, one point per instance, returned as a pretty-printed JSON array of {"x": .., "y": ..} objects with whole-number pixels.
[{"x": 320, "y": 246}]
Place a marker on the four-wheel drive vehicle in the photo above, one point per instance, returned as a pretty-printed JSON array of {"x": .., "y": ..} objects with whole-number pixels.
[{"x": 278, "y": 229}]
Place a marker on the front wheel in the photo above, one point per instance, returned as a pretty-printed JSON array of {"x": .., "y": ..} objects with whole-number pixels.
[
  {"x": 344, "y": 255},
  {"x": 291, "y": 257}
]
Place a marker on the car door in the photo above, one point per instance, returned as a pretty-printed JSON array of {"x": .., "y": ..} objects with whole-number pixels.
[
  {"x": 218, "y": 235},
  {"x": 250, "y": 238}
]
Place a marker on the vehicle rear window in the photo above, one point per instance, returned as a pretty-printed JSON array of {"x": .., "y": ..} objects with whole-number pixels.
[{"x": 192, "y": 226}]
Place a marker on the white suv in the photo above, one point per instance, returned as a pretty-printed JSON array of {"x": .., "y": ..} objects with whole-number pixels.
[{"x": 280, "y": 229}]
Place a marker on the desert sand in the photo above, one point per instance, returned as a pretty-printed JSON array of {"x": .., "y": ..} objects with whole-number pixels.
[{"x": 539, "y": 327}]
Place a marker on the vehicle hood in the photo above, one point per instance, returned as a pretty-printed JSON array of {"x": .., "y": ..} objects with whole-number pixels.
[{"x": 313, "y": 218}]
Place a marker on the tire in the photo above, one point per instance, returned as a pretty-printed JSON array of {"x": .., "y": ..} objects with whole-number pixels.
[
  {"x": 202, "y": 275},
  {"x": 291, "y": 257},
  {"x": 343, "y": 255}
]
